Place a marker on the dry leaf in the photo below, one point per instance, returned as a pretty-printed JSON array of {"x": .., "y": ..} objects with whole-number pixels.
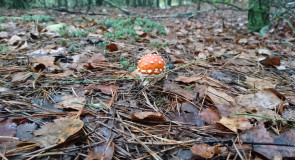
[
  {"x": 187, "y": 79},
  {"x": 205, "y": 150},
  {"x": 259, "y": 83},
  {"x": 14, "y": 40},
  {"x": 264, "y": 99},
  {"x": 220, "y": 97},
  {"x": 152, "y": 116},
  {"x": 58, "y": 131},
  {"x": 210, "y": 116},
  {"x": 111, "y": 47},
  {"x": 236, "y": 123},
  {"x": 21, "y": 76},
  {"x": 101, "y": 153},
  {"x": 71, "y": 103}
]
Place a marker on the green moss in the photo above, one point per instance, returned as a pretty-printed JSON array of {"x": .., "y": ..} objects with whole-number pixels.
[
  {"x": 3, "y": 28},
  {"x": 3, "y": 49},
  {"x": 2, "y": 19},
  {"x": 40, "y": 18},
  {"x": 123, "y": 27}
]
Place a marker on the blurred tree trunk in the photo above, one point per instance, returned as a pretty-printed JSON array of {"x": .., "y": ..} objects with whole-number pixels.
[
  {"x": 134, "y": 4},
  {"x": 58, "y": 3},
  {"x": 127, "y": 2},
  {"x": 66, "y": 4},
  {"x": 169, "y": 3},
  {"x": 180, "y": 2},
  {"x": 198, "y": 5},
  {"x": 144, "y": 2},
  {"x": 158, "y": 3},
  {"x": 150, "y": 3},
  {"x": 139, "y": 2},
  {"x": 258, "y": 15},
  {"x": 89, "y": 3},
  {"x": 99, "y": 2}
]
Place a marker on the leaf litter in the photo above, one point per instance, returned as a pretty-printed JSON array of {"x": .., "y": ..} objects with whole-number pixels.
[{"x": 103, "y": 112}]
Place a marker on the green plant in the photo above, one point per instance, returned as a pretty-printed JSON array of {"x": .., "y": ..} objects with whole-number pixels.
[
  {"x": 155, "y": 44},
  {"x": 63, "y": 31},
  {"x": 2, "y": 19},
  {"x": 124, "y": 63},
  {"x": 103, "y": 44},
  {"x": 3, "y": 49},
  {"x": 165, "y": 44},
  {"x": 40, "y": 18},
  {"x": 63, "y": 42},
  {"x": 123, "y": 27},
  {"x": 106, "y": 51},
  {"x": 78, "y": 33},
  {"x": 132, "y": 68},
  {"x": 74, "y": 46},
  {"x": 3, "y": 28},
  {"x": 188, "y": 87}
]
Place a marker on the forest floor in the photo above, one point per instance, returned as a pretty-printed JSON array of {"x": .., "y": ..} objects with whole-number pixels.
[{"x": 68, "y": 89}]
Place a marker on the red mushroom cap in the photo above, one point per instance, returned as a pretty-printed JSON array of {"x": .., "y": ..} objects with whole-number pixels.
[{"x": 150, "y": 65}]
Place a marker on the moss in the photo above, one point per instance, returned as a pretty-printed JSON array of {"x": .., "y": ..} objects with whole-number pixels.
[{"x": 123, "y": 27}]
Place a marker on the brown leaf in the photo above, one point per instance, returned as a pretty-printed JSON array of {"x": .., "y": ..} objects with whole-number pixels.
[
  {"x": 272, "y": 61},
  {"x": 205, "y": 150},
  {"x": 260, "y": 134},
  {"x": 99, "y": 57},
  {"x": 8, "y": 127},
  {"x": 210, "y": 116},
  {"x": 175, "y": 88},
  {"x": 21, "y": 76},
  {"x": 101, "y": 152},
  {"x": 220, "y": 97},
  {"x": 187, "y": 79},
  {"x": 151, "y": 116},
  {"x": 3, "y": 35},
  {"x": 58, "y": 131},
  {"x": 70, "y": 103},
  {"x": 14, "y": 40},
  {"x": 259, "y": 83},
  {"x": 236, "y": 123},
  {"x": 105, "y": 89},
  {"x": 264, "y": 99},
  {"x": 112, "y": 47}
]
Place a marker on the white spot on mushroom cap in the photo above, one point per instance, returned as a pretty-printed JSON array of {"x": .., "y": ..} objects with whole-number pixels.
[
  {"x": 149, "y": 71},
  {"x": 152, "y": 62}
]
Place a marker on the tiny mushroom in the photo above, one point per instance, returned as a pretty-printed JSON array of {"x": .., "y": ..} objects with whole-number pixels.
[{"x": 150, "y": 65}]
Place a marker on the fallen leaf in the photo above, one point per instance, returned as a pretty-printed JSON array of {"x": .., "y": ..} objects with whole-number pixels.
[
  {"x": 264, "y": 99},
  {"x": 14, "y": 40},
  {"x": 151, "y": 116},
  {"x": 210, "y": 116},
  {"x": 8, "y": 127},
  {"x": 205, "y": 150},
  {"x": 220, "y": 97},
  {"x": 272, "y": 61},
  {"x": 20, "y": 77},
  {"x": 58, "y": 131},
  {"x": 175, "y": 88},
  {"x": 236, "y": 123},
  {"x": 71, "y": 103},
  {"x": 101, "y": 152},
  {"x": 259, "y": 83},
  {"x": 187, "y": 79},
  {"x": 99, "y": 57},
  {"x": 3, "y": 35},
  {"x": 261, "y": 135},
  {"x": 103, "y": 88},
  {"x": 112, "y": 47}
]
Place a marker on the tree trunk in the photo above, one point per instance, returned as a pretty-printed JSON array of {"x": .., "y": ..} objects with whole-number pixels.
[
  {"x": 139, "y": 2},
  {"x": 169, "y": 3},
  {"x": 99, "y": 2},
  {"x": 258, "y": 15},
  {"x": 158, "y": 4},
  {"x": 180, "y": 2}
]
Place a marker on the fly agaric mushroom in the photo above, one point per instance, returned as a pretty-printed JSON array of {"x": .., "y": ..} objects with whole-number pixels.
[{"x": 150, "y": 65}]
